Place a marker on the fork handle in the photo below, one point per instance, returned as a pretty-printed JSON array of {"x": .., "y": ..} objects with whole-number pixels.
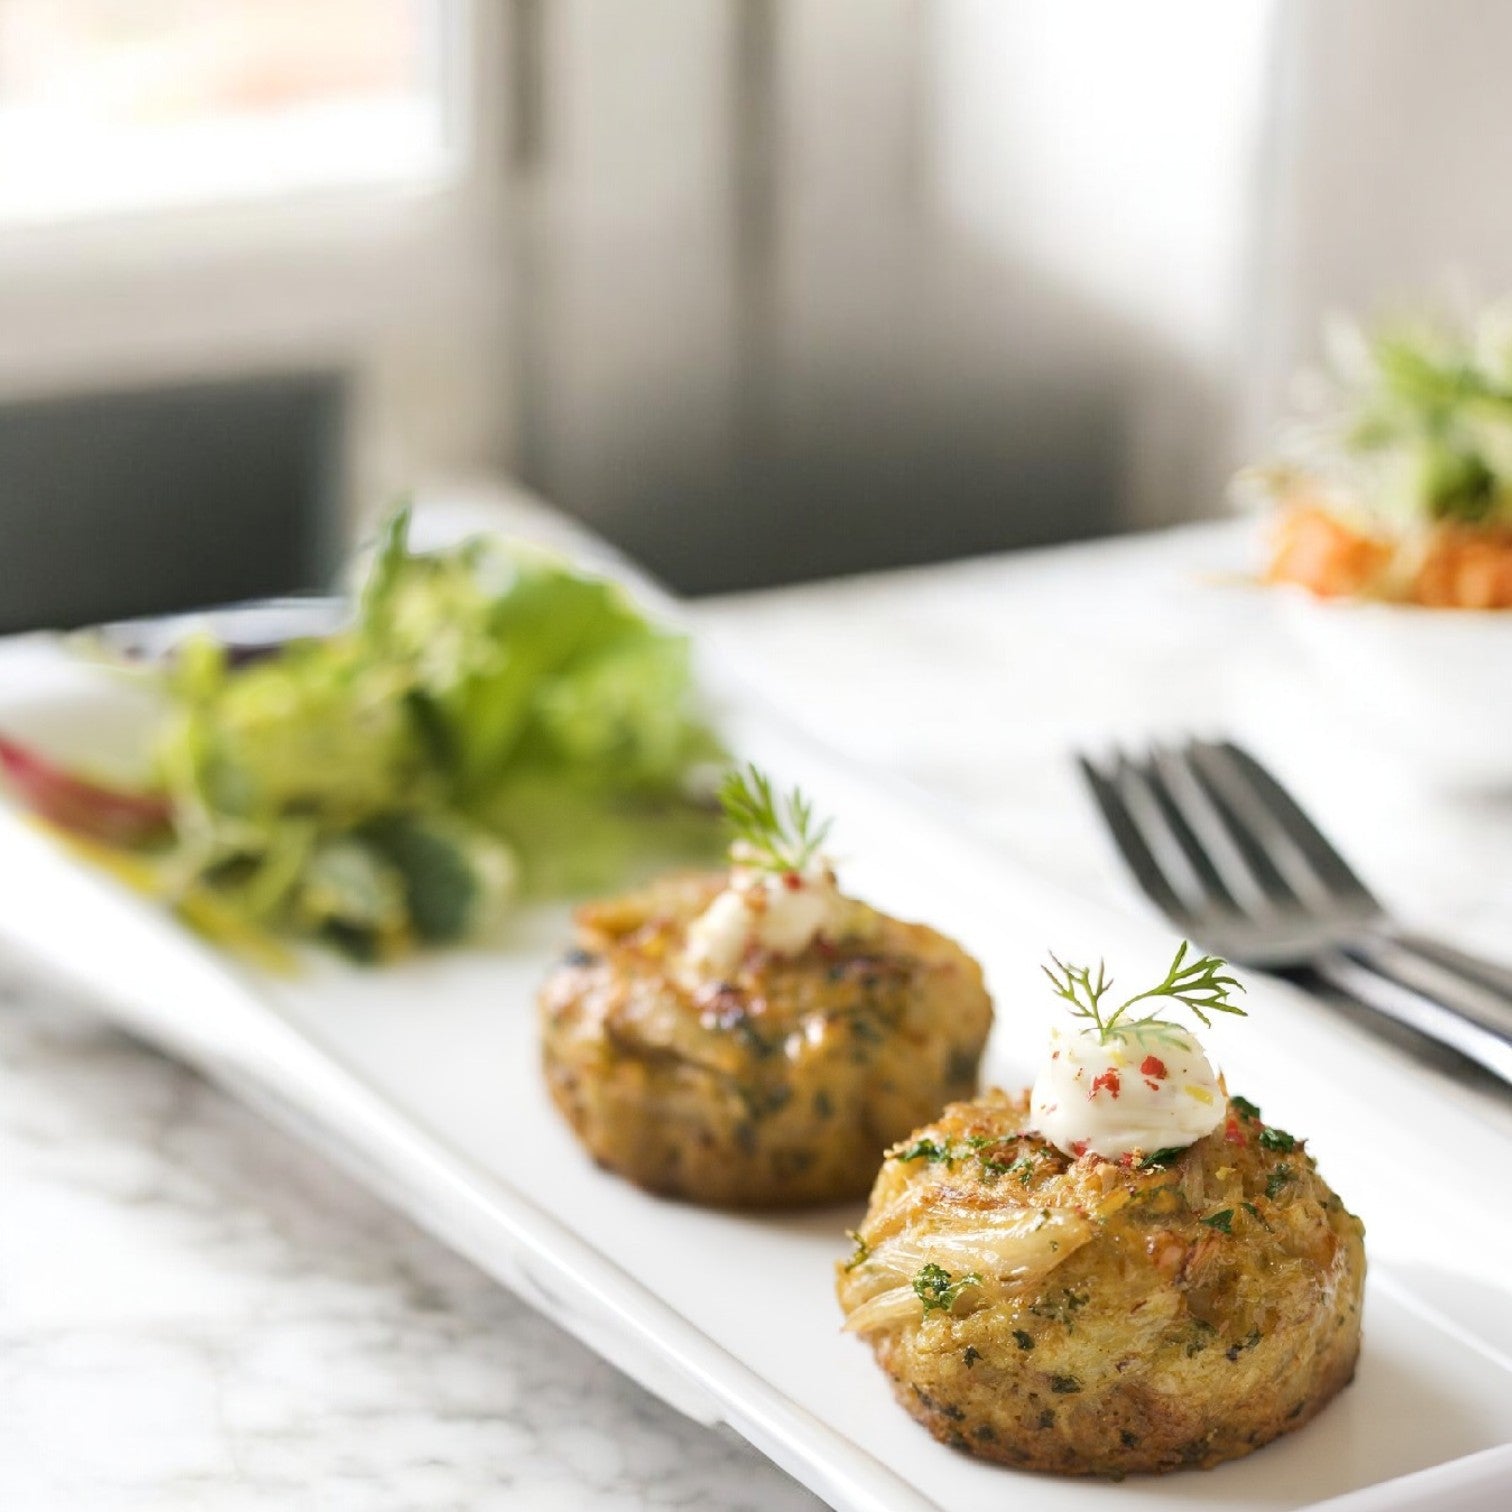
[
  {"x": 1477, "y": 990},
  {"x": 1404, "y": 1003},
  {"x": 1495, "y": 975}
]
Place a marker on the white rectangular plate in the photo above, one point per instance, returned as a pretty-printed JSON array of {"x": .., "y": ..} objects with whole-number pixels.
[{"x": 423, "y": 1078}]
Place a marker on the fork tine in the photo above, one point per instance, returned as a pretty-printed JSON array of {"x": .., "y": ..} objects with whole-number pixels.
[
  {"x": 1294, "y": 841},
  {"x": 1167, "y": 819},
  {"x": 1132, "y": 845},
  {"x": 1244, "y": 864}
]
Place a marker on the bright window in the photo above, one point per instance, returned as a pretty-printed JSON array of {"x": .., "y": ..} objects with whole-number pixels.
[{"x": 119, "y": 106}]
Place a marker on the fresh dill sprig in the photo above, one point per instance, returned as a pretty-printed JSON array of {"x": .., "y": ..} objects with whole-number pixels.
[
  {"x": 1199, "y": 984},
  {"x": 779, "y": 832}
]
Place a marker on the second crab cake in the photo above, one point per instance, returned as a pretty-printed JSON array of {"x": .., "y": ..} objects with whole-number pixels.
[{"x": 756, "y": 1038}]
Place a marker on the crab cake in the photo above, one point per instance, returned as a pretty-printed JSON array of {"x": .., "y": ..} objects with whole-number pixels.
[
  {"x": 1094, "y": 1316},
  {"x": 760, "y": 1043}
]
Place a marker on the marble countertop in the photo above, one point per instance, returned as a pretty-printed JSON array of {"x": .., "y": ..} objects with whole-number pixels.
[{"x": 194, "y": 1313}]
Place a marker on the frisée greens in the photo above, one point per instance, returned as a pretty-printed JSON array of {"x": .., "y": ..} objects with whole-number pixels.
[
  {"x": 491, "y": 724},
  {"x": 1411, "y": 423}
]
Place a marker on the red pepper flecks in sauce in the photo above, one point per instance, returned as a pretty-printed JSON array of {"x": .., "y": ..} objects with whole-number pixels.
[
  {"x": 1107, "y": 1080},
  {"x": 1232, "y": 1132},
  {"x": 1141, "y": 1109}
]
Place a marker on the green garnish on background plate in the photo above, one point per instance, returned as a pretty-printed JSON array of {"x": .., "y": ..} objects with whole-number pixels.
[{"x": 1412, "y": 421}]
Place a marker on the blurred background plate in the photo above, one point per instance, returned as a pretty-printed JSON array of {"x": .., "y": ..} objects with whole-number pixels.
[{"x": 1430, "y": 687}]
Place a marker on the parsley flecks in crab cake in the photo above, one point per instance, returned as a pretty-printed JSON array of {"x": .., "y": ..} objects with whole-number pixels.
[
  {"x": 756, "y": 1038},
  {"x": 1126, "y": 1270}
]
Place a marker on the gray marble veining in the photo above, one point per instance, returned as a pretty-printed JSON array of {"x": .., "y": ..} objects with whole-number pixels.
[{"x": 196, "y": 1313}]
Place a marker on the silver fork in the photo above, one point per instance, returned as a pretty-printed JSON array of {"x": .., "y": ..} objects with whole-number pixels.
[{"x": 1225, "y": 852}]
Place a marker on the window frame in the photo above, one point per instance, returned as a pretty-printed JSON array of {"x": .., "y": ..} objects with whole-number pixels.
[{"x": 319, "y": 273}]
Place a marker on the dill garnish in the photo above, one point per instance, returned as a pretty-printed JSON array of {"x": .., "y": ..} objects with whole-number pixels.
[
  {"x": 779, "y": 833},
  {"x": 1198, "y": 984}
]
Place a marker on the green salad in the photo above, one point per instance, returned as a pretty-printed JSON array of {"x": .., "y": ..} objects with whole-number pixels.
[
  {"x": 490, "y": 725},
  {"x": 1414, "y": 420}
]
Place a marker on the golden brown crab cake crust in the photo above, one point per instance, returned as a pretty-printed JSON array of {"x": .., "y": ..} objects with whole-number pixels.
[
  {"x": 1127, "y": 1317},
  {"x": 778, "y": 1086}
]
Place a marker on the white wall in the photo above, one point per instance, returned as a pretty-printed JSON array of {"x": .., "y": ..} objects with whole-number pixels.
[
  {"x": 1395, "y": 168},
  {"x": 918, "y": 275},
  {"x": 1116, "y": 152}
]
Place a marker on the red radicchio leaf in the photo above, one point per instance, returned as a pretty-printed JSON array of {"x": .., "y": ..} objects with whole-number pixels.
[{"x": 113, "y": 815}]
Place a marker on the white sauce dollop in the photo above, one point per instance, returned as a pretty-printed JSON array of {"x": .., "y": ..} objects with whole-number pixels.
[
  {"x": 1121, "y": 1097},
  {"x": 780, "y": 912}
]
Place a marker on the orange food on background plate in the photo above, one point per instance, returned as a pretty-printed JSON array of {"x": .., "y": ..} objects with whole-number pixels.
[
  {"x": 1402, "y": 492},
  {"x": 1318, "y": 551},
  {"x": 1466, "y": 569}
]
